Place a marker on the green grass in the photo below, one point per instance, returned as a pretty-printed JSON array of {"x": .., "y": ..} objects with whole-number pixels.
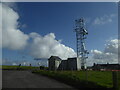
[
  {"x": 6, "y": 67},
  {"x": 94, "y": 78}
]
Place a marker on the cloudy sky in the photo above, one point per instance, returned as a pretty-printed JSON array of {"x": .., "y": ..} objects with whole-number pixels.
[{"x": 39, "y": 30}]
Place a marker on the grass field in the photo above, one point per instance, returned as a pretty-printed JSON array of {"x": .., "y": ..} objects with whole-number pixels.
[
  {"x": 6, "y": 67},
  {"x": 90, "y": 79}
]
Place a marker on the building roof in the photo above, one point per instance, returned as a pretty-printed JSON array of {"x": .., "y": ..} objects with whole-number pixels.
[
  {"x": 74, "y": 58},
  {"x": 55, "y": 58}
]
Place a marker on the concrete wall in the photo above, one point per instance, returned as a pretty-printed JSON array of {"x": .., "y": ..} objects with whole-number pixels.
[
  {"x": 78, "y": 64},
  {"x": 63, "y": 65},
  {"x": 54, "y": 64},
  {"x": 57, "y": 64},
  {"x": 69, "y": 64},
  {"x": 72, "y": 63},
  {"x": 51, "y": 65}
]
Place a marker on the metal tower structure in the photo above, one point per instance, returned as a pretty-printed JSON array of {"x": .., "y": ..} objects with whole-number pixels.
[{"x": 81, "y": 33}]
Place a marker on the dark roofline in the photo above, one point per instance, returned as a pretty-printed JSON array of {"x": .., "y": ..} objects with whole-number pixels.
[
  {"x": 106, "y": 64},
  {"x": 72, "y": 57},
  {"x": 55, "y": 57}
]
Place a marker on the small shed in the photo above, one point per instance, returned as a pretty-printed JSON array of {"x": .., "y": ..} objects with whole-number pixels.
[{"x": 54, "y": 62}]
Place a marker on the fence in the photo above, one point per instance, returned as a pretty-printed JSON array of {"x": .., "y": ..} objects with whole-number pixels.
[
  {"x": 110, "y": 79},
  {"x": 116, "y": 80}
]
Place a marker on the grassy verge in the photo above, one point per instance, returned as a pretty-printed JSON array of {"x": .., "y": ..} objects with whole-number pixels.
[
  {"x": 79, "y": 79},
  {"x": 5, "y": 67}
]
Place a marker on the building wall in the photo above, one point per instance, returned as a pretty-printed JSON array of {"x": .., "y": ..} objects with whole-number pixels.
[
  {"x": 57, "y": 64},
  {"x": 106, "y": 67},
  {"x": 51, "y": 65},
  {"x": 54, "y": 63},
  {"x": 63, "y": 65},
  {"x": 78, "y": 64},
  {"x": 72, "y": 63},
  {"x": 69, "y": 64}
]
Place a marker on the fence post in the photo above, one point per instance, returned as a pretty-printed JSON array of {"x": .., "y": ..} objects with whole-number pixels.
[
  {"x": 115, "y": 80},
  {"x": 86, "y": 76},
  {"x": 118, "y": 73}
]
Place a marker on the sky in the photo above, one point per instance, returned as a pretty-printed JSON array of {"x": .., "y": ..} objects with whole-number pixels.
[{"x": 41, "y": 29}]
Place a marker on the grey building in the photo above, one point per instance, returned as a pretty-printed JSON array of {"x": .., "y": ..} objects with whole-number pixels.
[
  {"x": 55, "y": 63},
  {"x": 106, "y": 66}
]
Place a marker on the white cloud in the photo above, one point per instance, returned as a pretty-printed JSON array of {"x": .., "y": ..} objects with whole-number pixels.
[
  {"x": 44, "y": 47},
  {"x": 39, "y": 46},
  {"x": 12, "y": 37},
  {"x": 14, "y": 63},
  {"x": 96, "y": 51},
  {"x": 112, "y": 46},
  {"x": 108, "y": 55},
  {"x": 104, "y": 19}
]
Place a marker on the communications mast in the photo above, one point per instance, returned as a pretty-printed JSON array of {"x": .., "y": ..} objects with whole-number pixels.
[{"x": 81, "y": 33}]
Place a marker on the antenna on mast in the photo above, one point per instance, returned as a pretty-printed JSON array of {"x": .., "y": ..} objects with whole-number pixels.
[{"x": 81, "y": 33}]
